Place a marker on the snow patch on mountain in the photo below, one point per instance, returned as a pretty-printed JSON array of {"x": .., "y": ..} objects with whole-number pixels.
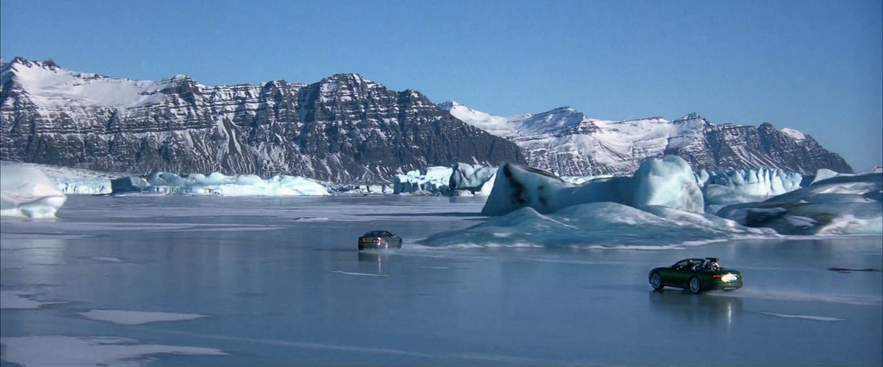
[
  {"x": 51, "y": 87},
  {"x": 794, "y": 134}
]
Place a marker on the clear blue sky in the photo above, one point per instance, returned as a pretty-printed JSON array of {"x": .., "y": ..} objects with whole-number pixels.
[{"x": 815, "y": 65}]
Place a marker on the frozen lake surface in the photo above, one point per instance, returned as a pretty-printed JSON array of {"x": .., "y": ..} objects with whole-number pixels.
[{"x": 277, "y": 281}]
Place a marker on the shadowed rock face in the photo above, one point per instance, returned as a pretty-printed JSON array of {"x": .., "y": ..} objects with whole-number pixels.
[{"x": 344, "y": 128}]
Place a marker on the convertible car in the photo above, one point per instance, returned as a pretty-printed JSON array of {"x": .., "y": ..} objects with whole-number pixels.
[
  {"x": 697, "y": 275},
  {"x": 379, "y": 239}
]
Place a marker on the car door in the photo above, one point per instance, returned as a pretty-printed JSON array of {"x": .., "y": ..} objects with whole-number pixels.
[
  {"x": 681, "y": 272},
  {"x": 670, "y": 274}
]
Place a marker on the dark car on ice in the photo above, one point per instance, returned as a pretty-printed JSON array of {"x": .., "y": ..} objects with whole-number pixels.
[
  {"x": 378, "y": 240},
  {"x": 697, "y": 275}
]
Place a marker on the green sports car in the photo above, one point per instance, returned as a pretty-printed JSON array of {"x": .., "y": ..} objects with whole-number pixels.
[{"x": 697, "y": 275}]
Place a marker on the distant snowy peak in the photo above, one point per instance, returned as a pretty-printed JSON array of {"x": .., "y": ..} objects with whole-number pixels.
[
  {"x": 570, "y": 143},
  {"x": 495, "y": 125},
  {"x": 693, "y": 120},
  {"x": 52, "y": 88}
]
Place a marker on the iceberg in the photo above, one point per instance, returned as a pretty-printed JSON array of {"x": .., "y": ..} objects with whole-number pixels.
[
  {"x": 667, "y": 181},
  {"x": 218, "y": 184},
  {"x": 356, "y": 189},
  {"x": 25, "y": 191},
  {"x": 597, "y": 225},
  {"x": 74, "y": 180},
  {"x": 470, "y": 177},
  {"x": 433, "y": 180},
  {"x": 840, "y": 205},
  {"x": 726, "y": 187}
]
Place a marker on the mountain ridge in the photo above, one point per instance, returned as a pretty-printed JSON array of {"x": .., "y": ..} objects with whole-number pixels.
[{"x": 343, "y": 128}]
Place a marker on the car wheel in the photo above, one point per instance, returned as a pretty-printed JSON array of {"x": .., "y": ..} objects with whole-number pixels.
[
  {"x": 656, "y": 282},
  {"x": 695, "y": 285}
]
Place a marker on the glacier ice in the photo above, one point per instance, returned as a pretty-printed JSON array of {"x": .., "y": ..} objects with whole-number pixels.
[
  {"x": 470, "y": 177},
  {"x": 218, "y": 184},
  {"x": 74, "y": 180},
  {"x": 719, "y": 196},
  {"x": 762, "y": 182},
  {"x": 667, "y": 181},
  {"x": 433, "y": 180},
  {"x": 597, "y": 225},
  {"x": 840, "y": 205},
  {"x": 25, "y": 191},
  {"x": 461, "y": 179}
]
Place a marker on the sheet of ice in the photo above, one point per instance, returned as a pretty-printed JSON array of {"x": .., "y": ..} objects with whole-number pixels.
[
  {"x": 124, "y": 317},
  {"x": 657, "y": 182},
  {"x": 25, "y": 191},
  {"x": 359, "y": 274},
  {"x": 842, "y": 205},
  {"x": 107, "y": 259},
  {"x": 432, "y": 180},
  {"x": 39, "y": 351},
  {"x": 597, "y": 225},
  {"x": 803, "y": 317},
  {"x": 218, "y": 184},
  {"x": 19, "y": 300},
  {"x": 279, "y": 302}
]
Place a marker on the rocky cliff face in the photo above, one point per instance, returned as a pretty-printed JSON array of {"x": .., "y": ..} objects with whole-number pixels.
[
  {"x": 344, "y": 128},
  {"x": 569, "y": 143}
]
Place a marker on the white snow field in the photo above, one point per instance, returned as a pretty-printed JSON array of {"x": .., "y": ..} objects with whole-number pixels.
[
  {"x": 208, "y": 281},
  {"x": 25, "y": 191}
]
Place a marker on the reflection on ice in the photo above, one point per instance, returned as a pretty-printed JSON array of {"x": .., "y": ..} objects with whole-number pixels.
[{"x": 706, "y": 306}]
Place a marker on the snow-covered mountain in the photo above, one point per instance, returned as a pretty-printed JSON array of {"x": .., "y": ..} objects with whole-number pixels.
[
  {"x": 570, "y": 143},
  {"x": 344, "y": 128}
]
